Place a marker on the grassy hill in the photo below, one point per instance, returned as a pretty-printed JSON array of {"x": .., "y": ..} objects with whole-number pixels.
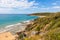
[{"x": 45, "y": 28}]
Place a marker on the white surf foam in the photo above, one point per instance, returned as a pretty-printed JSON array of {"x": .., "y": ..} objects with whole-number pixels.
[{"x": 15, "y": 27}]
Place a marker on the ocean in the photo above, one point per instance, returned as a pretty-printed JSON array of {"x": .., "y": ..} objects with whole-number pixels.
[{"x": 9, "y": 19}]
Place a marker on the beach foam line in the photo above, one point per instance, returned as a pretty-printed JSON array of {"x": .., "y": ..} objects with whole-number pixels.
[
  {"x": 15, "y": 26},
  {"x": 9, "y": 26},
  {"x": 5, "y": 30}
]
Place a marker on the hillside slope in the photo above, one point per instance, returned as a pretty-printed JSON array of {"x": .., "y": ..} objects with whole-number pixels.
[{"x": 45, "y": 28}]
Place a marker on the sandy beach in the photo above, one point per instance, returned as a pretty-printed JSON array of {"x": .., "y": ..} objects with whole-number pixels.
[{"x": 9, "y": 32}]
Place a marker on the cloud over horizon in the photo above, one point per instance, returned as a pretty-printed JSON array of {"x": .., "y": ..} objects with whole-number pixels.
[
  {"x": 28, "y": 6},
  {"x": 9, "y": 5},
  {"x": 16, "y": 3}
]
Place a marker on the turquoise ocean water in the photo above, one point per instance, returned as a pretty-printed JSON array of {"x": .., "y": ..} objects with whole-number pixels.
[{"x": 9, "y": 19}]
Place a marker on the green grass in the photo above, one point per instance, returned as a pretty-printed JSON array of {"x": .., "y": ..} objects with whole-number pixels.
[{"x": 50, "y": 26}]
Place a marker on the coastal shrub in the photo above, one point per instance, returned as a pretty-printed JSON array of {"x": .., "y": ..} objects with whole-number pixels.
[
  {"x": 51, "y": 24},
  {"x": 53, "y": 34}
]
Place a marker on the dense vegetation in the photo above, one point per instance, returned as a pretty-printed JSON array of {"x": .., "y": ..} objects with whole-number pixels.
[{"x": 45, "y": 28}]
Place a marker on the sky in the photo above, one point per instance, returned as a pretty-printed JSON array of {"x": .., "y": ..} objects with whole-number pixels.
[{"x": 28, "y": 6}]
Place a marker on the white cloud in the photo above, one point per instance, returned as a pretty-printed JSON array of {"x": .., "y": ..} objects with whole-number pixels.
[
  {"x": 5, "y": 10},
  {"x": 56, "y": 7},
  {"x": 16, "y": 3},
  {"x": 7, "y": 6},
  {"x": 45, "y": 8}
]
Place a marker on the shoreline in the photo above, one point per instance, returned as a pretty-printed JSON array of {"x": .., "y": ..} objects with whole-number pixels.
[{"x": 16, "y": 27}]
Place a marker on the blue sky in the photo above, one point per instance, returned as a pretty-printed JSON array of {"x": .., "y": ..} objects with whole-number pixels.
[{"x": 28, "y": 6}]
